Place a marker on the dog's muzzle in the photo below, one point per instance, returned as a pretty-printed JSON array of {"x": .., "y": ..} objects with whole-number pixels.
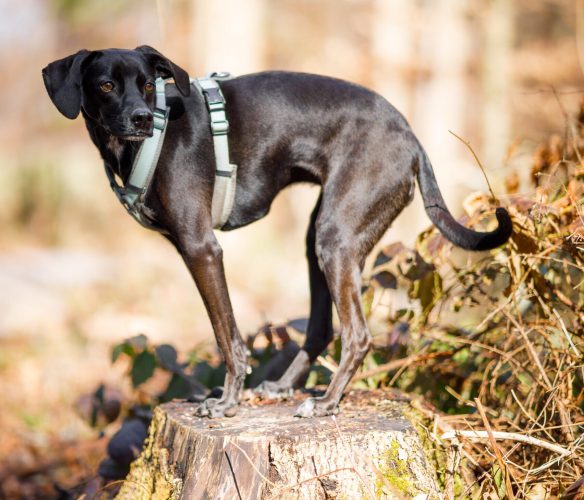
[{"x": 142, "y": 120}]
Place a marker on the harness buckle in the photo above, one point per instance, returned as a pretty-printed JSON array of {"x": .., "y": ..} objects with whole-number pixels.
[
  {"x": 214, "y": 96},
  {"x": 220, "y": 127},
  {"x": 224, "y": 173},
  {"x": 220, "y": 75},
  {"x": 160, "y": 117}
]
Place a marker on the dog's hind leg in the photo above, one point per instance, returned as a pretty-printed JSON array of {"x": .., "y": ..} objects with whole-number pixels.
[
  {"x": 349, "y": 223},
  {"x": 340, "y": 262},
  {"x": 320, "y": 325}
]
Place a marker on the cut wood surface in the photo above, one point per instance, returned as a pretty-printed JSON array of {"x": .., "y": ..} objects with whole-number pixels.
[{"x": 369, "y": 450}]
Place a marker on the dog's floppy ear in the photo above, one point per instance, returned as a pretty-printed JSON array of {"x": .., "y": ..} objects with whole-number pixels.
[
  {"x": 166, "y": 68},
  {"x": 63, "y": 82}
]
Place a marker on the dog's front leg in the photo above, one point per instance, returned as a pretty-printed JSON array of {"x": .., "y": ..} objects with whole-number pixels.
[{"x": 203, "y": 257}]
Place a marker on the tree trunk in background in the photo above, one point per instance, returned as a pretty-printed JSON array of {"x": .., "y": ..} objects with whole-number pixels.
[
  {"x": 370, "y": 450},
  {"x": 427, "y": 52},
  {"x": 498, "y": 46},
  {"x": 395, "y": 69},
  {"x": 393, "y": 48},
  {"x": 442, "y": 98},
  {"x": 228, "y": 35}
]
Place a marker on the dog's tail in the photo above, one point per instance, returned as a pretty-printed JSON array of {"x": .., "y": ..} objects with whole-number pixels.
[{"x": 455, "y": 232}]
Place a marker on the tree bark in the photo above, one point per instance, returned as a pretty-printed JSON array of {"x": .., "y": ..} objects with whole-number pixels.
[{"x": 369, "y": 450}]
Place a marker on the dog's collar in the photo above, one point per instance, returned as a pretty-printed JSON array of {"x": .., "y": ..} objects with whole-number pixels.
[{"x": 132, "y": 194}]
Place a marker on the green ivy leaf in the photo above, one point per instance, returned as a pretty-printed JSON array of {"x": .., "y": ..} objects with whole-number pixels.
[
  {"x": 143, "y": 367},
  {"x": 208, "y": 375},
  {"x": 139, "y": 342},
  {"x": 178, "y": 387},
  {"x": 122, "y": 348},
  {"x": 386, "y": 280},
  {"x": 167, "y": 358}
]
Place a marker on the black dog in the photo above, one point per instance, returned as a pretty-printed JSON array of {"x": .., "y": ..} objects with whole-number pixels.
[{"x": 284, "y": 128}]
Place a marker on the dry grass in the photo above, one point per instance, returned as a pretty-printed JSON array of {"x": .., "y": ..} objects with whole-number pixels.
[{"x": 495, "y": 341}]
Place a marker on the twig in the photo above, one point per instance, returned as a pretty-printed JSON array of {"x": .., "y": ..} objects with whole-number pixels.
[
  {"x": 569, "y": 126},
  {"x": 566, "y": 333},
  {"x": 531, "y": 350},
  {"x": 500, "y": 308},
  {"x": 577, "y": 205},
  {"x": 512, "y": 436},
  {"x": 508, "y": 357},
  {"x": 526, "y": 413},
  {"x": 233, "y": 474},
  {"x": 398, "y": 363},
  {"x": 453, "y": 463},
  {"x": 441, "y": 423},
  {"x": 547, "y": 465},
  {"x": 317, "y": 478},
  {"x": 328, "y": 364},
  {"x": 120, "y": 481},
  {"x": 467, "y": 144},
  {"x": 552, "y": 311},
  {"x": 541, "y": 256},
  {"x": 253, "y": 465},
  {"x": 504, "y": 469}
]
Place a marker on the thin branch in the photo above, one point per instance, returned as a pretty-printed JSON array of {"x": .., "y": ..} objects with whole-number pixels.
[
  {"x": 502, "y": 465},
  {"x": 531, "y": 350},
  {"x": 512, "y": 436},
  {"x": 566, "y": 333},
  {"x": 253, "y": 465},
  {"x": 328, "y": 364},
  {"x": 547, "y": 465},
  {"x": 570, "y": 129},
  {"x": 467, "y": 144},
  {"x": 398, "y": 363}
]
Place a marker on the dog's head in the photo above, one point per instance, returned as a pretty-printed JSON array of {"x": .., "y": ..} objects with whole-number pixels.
[{"x": 114, "y": 87}]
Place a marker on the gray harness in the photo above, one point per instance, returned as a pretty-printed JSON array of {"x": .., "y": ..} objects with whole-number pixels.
[{"x": 133, "y": 193}]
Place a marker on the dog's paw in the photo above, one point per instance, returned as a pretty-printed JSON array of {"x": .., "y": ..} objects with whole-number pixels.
[
  {"x": 316, "y": 407},
  {"x": 272, "y": 390},
  {"x": 215, "y": 408}
]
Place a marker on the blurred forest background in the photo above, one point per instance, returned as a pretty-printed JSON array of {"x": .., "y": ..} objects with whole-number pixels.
[{"x": 78, "y": 275}]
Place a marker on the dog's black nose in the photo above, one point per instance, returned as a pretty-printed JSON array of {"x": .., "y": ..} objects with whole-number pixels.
[{"x": 141, "y": 118}]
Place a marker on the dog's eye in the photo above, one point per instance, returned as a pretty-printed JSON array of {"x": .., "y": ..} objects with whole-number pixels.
[
  {"x": 149, "y": 88},
  {"x": 106, "y": 87}
]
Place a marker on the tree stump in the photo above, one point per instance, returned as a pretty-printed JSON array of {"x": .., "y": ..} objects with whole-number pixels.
[{"x": 369, "y": 450}]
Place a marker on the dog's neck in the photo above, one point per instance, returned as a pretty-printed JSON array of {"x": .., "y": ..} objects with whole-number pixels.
[
  {"x": 117, "y": 154},
  {"x": 116, "y": 146}
]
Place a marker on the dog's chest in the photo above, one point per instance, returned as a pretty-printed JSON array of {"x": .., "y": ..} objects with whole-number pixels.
[{"x": 115, "y": 146}]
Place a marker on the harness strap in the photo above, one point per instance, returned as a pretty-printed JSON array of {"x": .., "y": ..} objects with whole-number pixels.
[
  {"x": 131, "y": 196},
  {"x": 147, "y": 157},
  {"x": 225, "y": 172}
]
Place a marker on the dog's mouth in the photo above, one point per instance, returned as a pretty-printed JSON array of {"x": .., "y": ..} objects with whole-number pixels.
[
  {"x": 128, "y": 135},
  {"x": 134, "y": 137}
]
